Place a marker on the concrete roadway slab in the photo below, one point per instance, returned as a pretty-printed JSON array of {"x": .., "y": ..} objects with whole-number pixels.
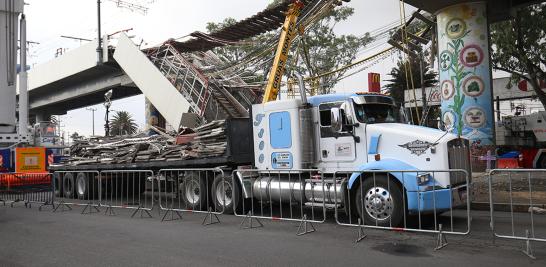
[{"x": 32, "y": 238}]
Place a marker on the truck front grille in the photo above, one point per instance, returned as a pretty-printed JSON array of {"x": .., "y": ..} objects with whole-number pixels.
[{"x": 459, "y": 158}]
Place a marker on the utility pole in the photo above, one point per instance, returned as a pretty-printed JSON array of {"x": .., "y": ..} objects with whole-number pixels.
[
  {"x": 99, "y": 47},
  {"x": 93, "y": 118}
]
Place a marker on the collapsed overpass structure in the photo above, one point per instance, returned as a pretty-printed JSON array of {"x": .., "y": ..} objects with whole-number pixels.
[{"x": 180, "y": 79}]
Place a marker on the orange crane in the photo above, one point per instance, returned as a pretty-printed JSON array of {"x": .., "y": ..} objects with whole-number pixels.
[{"x": 288, "y": 34}]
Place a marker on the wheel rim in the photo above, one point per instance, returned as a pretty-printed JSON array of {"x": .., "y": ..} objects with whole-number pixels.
[
  {"x": 378, "y": 203},
  {"x": 193, "y": 191},
  {"x": 224, "y": 194},
  {"x": 81, "y": 187}
]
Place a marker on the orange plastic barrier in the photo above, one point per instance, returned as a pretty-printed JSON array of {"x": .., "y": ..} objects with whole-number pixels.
[{"x": 11, "y": 180}]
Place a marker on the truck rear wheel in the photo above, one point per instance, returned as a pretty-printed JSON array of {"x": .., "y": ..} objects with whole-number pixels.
[
  {"x": 194, "y": 191},
  {"x": 380, "y": 202},
  {"x": 58, "y": 184},
  {"x": 223, "y": 194},
  {"x": 68, "y": 185}
]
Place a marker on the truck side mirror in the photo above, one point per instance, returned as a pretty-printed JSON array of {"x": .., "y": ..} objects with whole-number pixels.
[
  {"x": 347, "y": 107},
  {"x": 336, "y": 120}
]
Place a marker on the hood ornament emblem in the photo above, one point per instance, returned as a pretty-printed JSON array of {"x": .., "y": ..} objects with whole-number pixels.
[{"x": 417, "y": 147}]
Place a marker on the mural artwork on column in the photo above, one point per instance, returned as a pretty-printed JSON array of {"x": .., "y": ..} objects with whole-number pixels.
[{"x": 465, "y": 81}]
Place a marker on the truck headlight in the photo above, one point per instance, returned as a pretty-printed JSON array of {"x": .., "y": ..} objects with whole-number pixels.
[{"x": 423, "y": 178}]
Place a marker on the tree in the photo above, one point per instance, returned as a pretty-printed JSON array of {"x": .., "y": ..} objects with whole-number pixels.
[
  {"x": 75, "y": 136},
  {"x": 320, "y": 50},
  {"x": 122, "y": 124},
  {"x": 402, "y": 80},
  {"x": 519, "y": 47}
]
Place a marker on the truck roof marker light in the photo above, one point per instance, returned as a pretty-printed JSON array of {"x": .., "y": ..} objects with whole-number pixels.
[{"x": 377, "y": 157}]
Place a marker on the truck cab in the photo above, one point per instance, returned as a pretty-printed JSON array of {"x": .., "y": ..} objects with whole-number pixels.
[{"x": 360, "y": 132}]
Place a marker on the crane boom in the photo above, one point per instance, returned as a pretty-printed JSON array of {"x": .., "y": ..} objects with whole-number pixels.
[{"x": 287, "y": 36}]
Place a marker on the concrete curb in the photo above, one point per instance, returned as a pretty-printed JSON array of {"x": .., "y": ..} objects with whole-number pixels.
[{"x": 504, "y": 206}]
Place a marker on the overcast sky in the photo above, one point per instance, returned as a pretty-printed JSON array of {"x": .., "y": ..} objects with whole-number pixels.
[{"x": 47, "y": 20}]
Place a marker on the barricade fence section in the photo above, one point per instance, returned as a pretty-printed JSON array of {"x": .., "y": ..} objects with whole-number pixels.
[
  {"x": 27, "y": 188},
  {"x": 81, "y": 188},
  {"x": 520, "y": 195},
  {"x": 194, "y": 190},
  {"x": 431, "y": 201},
  {"x": 126, "y": 189},
  {"x": 295, "y": 195}
]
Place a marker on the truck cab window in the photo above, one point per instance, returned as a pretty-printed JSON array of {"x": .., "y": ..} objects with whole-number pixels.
[
  {"x": 377, "y": 113},
  {"x": 325, "y": 117}
]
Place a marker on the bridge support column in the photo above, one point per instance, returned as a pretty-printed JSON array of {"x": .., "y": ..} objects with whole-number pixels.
[
  {"x": 153, "y": 117},
  {"x": 465, "y": 74},
  {"x": 42, "y": 117}
]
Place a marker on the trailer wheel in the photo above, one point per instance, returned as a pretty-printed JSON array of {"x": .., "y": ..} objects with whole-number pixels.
[
  {"x": 194, "y": 191},
  {"x": 380, "y": 202},
  {"x": 68, "y": 185},
  {"x": 85, "y": 187},
  {"x": 58, "y": 184}
]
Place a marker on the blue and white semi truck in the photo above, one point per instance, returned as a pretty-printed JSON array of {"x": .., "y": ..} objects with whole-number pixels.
[
  {"x": 349, "y": 133},
  {"x": 336, "y": 133}
]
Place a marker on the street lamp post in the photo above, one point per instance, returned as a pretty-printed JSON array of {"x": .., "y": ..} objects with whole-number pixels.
[
  {"x": 93, "y": 118},
  {"x": 107, "y": 104}
]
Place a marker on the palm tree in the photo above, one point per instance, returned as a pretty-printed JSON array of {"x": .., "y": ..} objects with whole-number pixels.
[
  {"x": 122, "y": 124},
  {"x": 402, "y": 80}
]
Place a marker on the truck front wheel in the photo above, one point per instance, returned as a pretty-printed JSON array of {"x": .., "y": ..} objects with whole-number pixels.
[{"x": 380, "y": 202}]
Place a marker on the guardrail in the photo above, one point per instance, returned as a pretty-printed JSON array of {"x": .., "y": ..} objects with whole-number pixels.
[
  {"x": 194, "y": 190},
  {"x": 520, "y": 186},
  {"x": 81, "y": 188},
  {"x": 27, "y": 188},
  {"x": 405, "y": 200},
  {"x": 295, "y": 195},
  {"x": 124, "y": 189}
]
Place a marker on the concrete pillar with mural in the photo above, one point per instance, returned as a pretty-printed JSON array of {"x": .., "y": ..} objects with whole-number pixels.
[
  {"x": 465, "y": 74},
  {"x": 153, "y": 117}
]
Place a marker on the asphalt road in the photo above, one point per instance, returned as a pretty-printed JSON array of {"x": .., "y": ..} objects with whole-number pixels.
[{"x": 29, "y": 237}]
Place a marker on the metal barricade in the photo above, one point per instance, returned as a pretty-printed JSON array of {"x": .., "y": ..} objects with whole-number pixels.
[
  {"x": 27, "y": 188},
  {"x": 514, "y": 199},
  {"x": 291, "y": 195},
  {"x": 77, "y": 188},
  {"x": 194, "y": 190},
  {"x": 429, "y": 201},
  {"x": 126, "y": 189}
]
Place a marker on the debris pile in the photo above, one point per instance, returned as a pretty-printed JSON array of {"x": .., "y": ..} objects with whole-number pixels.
[{"x": 208, "y": 140}]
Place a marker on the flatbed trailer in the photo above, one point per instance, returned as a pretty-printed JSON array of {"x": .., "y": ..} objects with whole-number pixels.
[{"x": 239, "y": 151}]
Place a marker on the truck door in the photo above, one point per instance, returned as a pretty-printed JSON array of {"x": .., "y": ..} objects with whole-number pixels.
[{"x": 334, "y": 146}]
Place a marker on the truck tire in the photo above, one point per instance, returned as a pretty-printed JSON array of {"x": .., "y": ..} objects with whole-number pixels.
[
  {"x": 85, "y": 186},
  {"x": 68, "y": 185},
  {"x": 382, "y": 200},
  {"x": 58, "y": 184},
  {"x": 193, "y": 191},
  {"x": 223, "y": 186},
  {"x": 223, "y": 194}
]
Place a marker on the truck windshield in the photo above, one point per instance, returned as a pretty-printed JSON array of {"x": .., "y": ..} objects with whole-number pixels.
[{"x": 377, "y": 113}]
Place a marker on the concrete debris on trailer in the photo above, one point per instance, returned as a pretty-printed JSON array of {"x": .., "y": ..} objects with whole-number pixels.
[{"x": 208, "y": 140}]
